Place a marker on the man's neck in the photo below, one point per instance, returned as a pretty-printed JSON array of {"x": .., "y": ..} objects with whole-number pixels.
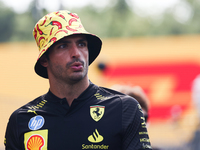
[{"x": 69, "y": 91}]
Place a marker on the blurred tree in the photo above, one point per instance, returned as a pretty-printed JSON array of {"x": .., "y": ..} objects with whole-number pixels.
[
  {"x": 120, "y": 14},
  {"x": 180, "y": 19},
  {"x": 7, "y": 23},
  {"x": 24, "y": 24},
  {"x": 36, "y": 10},
  {"x": 115, "y": 20},
  {"x": 193, "y": 25},
  {"x": 111, "y": 21}
]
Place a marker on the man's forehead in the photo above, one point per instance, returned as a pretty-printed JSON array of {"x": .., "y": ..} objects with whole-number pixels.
[
  {"x": 74, "y": 36},
  {"x": 71, "y": 38}
]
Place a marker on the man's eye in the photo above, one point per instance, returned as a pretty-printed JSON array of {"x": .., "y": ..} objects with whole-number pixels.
[
  {"x": 82, "y": 44},
  {"x": 62, "y": 46}
]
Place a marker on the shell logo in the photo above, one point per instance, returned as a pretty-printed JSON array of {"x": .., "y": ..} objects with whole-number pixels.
[{"x": 35, "y": 142}]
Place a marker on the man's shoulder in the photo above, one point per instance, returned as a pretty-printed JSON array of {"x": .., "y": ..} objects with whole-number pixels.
[
  {"x": 128, "y": 104},
  {"x": 113, "y": 93},
  {"x": 32, "y": 105},
  {"x": 110, "y": 91}
]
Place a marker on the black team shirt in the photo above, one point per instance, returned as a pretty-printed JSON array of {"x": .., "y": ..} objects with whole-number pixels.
[{"x": 98, "y": 119}]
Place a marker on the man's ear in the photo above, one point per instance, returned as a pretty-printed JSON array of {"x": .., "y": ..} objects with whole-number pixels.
[{"x": 44, "y": 61}]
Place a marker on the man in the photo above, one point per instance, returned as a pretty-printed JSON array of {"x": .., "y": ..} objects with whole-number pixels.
[{"x": 75, "y": 114}]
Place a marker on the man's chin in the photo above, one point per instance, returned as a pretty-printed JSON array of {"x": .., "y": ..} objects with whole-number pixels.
[{"x": 77, "y": 77}]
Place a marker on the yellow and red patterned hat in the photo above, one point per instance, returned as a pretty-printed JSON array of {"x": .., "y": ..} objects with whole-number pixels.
[{"x": 57, "y": 25}]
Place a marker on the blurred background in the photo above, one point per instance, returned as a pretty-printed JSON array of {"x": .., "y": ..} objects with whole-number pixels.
[{"x": 150, "y": 43}]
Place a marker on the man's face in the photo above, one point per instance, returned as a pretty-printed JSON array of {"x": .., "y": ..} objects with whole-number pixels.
[{"x": 68, "y": 59}]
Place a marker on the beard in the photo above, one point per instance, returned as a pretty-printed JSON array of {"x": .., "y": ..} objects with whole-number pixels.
[{"x": 65, "y": 74}]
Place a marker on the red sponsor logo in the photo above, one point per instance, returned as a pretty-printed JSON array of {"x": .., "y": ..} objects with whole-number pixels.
[{"x": 35, "y": 142}]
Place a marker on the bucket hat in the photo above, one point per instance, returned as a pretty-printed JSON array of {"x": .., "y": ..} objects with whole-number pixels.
[{"x": 57, "y": 25}]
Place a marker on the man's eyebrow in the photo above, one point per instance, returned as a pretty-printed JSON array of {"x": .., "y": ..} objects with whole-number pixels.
[
  {"x": 62, "y": 41},
  {"x": 82, "y": 40},
  {"x": 68, "y": 41}
]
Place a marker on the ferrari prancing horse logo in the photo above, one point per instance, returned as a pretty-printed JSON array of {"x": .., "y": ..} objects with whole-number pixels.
[{"x": 97, "y": 112}]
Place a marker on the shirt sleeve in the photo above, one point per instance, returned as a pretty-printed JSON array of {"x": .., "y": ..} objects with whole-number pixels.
[
  {"x": 135, "y": 135},
  {"x": 11, "y": 137}
]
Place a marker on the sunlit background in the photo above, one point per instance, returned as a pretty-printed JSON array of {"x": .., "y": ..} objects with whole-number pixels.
[{"x": 150, "y": 43}]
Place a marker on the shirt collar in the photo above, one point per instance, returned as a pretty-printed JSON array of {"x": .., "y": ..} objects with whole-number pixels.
[{"x": 90, "y": 91}]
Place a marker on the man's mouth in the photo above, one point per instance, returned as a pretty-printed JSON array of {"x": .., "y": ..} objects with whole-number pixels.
[{"x": 77, "y": 66}]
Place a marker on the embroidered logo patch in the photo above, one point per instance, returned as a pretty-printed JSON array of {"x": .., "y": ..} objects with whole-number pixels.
[
  {"x": 97, "y": 112},
  {"x": 36, "y": 122},
  {"x": 36, "y": 140}
]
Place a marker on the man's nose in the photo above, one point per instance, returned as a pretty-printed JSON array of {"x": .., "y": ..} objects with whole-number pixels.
[{"x": 75, "y": 52}]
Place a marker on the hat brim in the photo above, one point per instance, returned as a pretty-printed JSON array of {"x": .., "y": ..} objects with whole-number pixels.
[{"x": 94, "y": 48}]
